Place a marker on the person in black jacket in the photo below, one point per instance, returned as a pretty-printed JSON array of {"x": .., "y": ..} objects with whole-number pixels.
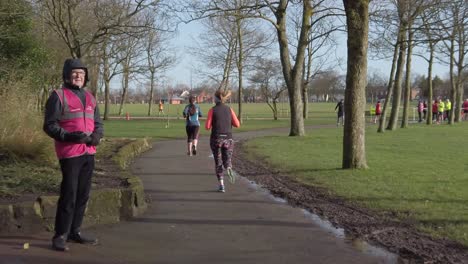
[
  {"x": 340, "y": 108},
  {"x": 72, "y": 119}
]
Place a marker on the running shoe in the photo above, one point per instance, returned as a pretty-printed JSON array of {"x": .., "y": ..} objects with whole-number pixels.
[
  {"x": 231, "y": 176},
  {"x": 221, "y": 189},
  {"x": 194, "y": 150}
]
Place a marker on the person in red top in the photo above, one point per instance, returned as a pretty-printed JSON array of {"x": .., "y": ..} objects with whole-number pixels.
[
  {"x": 465, "y": 109},
  {"x": 221, "y": 118},
  {"x": 378, "y": 111},
  {"x": 435, "y": 110}
]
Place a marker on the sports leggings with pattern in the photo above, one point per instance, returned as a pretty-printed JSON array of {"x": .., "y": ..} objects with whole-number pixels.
[{"x": 222, "y": 149}]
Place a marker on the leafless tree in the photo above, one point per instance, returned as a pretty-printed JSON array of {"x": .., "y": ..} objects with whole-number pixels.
[
  {"x": 402, "y": 7},
  {"x": 276, "y": 13},
  {"x": 159, "y": 58},
  {"x": 326, "y": 84},
  {"x": 128, "y": 55},
  {"x": 455, "y": 27},
  {"x": 268, "y": 77},
  {"x": 81, "y": 24}
]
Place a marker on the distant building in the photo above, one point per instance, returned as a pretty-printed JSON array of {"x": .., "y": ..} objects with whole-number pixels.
[{"x": 176, "y": 100}]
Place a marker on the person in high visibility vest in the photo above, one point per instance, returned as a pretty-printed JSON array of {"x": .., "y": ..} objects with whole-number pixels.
[
  {"x": 441, "y": 108},
  {"x": 448, "y": 107},
  {"x": 72, "y": 119}
]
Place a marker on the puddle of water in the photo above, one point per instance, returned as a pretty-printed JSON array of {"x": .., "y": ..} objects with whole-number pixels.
[{"x": 361, "y": 245}]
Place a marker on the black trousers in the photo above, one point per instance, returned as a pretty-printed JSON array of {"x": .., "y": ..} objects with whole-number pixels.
[{"x": 74, "y": 193}]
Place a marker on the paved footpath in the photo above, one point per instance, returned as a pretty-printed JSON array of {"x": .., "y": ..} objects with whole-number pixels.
[{"x": 188, "y": 221}]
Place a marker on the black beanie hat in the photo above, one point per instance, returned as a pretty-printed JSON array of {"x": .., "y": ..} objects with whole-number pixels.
[{"x": 71, "y": 64}]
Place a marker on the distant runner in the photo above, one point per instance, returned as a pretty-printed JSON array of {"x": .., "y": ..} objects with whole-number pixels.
[{"x": 191, "y": 113}]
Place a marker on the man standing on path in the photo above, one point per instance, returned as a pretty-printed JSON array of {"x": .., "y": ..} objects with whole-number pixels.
[{"x": 72, "y": 120}]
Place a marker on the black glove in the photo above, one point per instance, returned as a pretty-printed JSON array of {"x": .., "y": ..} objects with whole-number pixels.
[
  {"x": 95, "y": 139},
  {"x": 75, "y": 137}
]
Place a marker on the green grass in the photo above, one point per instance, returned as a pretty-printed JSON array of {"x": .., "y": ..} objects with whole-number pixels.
[
  {"x": 317, "y": 111},
  {"x": 28, "y": 178},
  {"x": 249, "y": 110},
  {"x": 161, "y": 129},
  {"x": 421, "y": 172},
  {"x": 21, "y": 177}
]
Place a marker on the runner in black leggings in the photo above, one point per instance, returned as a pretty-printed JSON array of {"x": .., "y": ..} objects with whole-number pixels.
[{"x": 221, "y": 118}]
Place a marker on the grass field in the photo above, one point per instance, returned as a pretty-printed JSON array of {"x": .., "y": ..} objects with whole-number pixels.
[
  {"x": 421, "y": 172},
  {"x": 317, "y": 111},
  {"x": 171, "y": 129},
  {"x": 259, "y": 110}
]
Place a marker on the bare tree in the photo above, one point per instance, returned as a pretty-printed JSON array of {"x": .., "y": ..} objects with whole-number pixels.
[
  {"x": 384, "y": 43},
  {"x": 320, "y": 45},
  {"x": 110, "y": 68},
  {"x": 128, "y": 55},
  {"x": 268, "y": 76},
  {"x": 158, "y": 59},
  {"x": 390, "y": 85},
  {"x": 402, "y": 7},
  {"x": 415, "y": 10},
  {"x": 81, "y": 24},
  {"x": 325, "y": 84},
  {"x": 455, "y": 25},
  {"x": 357, "y": 21},
  {"x": 430, "y": 17},
  {"x": 275, "y": 12}
]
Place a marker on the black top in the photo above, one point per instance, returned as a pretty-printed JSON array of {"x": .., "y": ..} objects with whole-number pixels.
[
  {"x": 221, "y": 121},
  {"x": 340, "y": 107}
]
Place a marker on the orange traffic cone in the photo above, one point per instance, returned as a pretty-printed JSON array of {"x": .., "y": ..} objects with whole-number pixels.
[{"x": 127, "y": 116}]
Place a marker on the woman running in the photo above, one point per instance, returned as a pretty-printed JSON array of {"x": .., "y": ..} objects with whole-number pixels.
[
  {"x": 192, "y": 126},
  {"x": 221, "y": 118}
]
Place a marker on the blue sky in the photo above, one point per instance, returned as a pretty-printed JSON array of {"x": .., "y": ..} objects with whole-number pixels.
[{"x": 184, "y": 71}]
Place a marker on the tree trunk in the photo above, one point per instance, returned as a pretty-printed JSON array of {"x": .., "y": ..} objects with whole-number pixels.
[
  {"x": 357, "y": 20},
  {"x": 106, "y": 98},
  {"x": 453, "y": 82},
  {"x": 228, "y": 63},
  {"x": 458, "y": 99},
  {"x": 293, "y": 76},
  {"x": 123, "y": 98},
  {"x": 398, "y": 77},
  {"x": 240, "y": 62},
  {"x": 305, "y": 88},
  {"x": 275, "y": 110},
  {"x": 429, "y": 80},
  {"x": 94, "y": 79},
  {"x": 388, "y": 96},
  {"x": 106, "y": 76},
  {"x": 407, "y": 98},
  {"x": 150, "y": 103}
]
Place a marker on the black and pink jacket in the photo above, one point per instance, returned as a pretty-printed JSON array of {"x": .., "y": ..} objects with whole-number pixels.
[{"x": 221, "y": 118}]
